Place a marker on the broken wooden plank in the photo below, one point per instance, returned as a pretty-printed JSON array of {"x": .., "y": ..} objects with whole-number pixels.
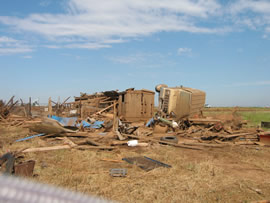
[
  {"x": 162, "y": 142},
  {"x": 232, "y": 136},
  {"x": 42, "y": 149},
  {"x": 119, "y": 135},
  {"x": 203, "y": 145},
  {"x": 88, "y": 141},
  {"x": 108, "y": 107},
  {"x": 59, "y": 147},
  {"x": 115, "y": 143},
  {"x": 69, "y": 142},
  {"x": 245, "y": 143},
  {"x": 94, "y": 147},
  {"x": 202, "y": 121},
  {"x": 115, "y": 119},
  {"x": 50, "y": 107},
  {"x": 112, "y": 160}
]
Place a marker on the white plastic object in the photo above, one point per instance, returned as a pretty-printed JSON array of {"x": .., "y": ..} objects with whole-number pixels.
[
  {"x": 132, "y": 143},
  {"x": 174, "y": 124}
]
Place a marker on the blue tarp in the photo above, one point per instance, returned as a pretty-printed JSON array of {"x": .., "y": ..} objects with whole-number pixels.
[
  {"x": 71, "y": 121},
  {"x": 27, "y": 138},
  {"x": 97, "y": 124},
  {"x": 150, "y": 122}
]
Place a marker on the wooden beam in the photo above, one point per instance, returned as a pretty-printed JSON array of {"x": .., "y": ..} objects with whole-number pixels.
[
  {"x": 108, "y": 107},
  {"x": 42, "y": 149},
  {"x": 59, "y": 147},
  {"x": 30, "y": 105},
  {"x": 50, "y": 106},
  {"x": 162, "y": 142},
  {"x": 65, "y": 100}
]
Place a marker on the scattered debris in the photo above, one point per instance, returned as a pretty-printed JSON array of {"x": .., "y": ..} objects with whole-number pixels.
[
  {"x": 264, "y": 137},
  {"x": 265, "y": 124},
  {"x": 5, "y": 109},
  {"x": 118, "y": 172},
  {"x": 20, "y": 169},
  {"x": 9, "y": 159},
  {"x": 113, "y": 120},
  {"x": 172, "y": 139},
  {"x": 135, "y": 143},
  {"x": 30, "y": 137},
  {"x": 146, "y": 163},
  {"x": 25, "y": 168}
]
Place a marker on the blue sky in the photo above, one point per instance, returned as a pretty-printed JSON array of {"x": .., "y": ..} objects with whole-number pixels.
[{"x": 61, "y": 48}]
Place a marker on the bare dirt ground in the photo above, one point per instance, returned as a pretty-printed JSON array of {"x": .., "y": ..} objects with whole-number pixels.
[{"x": 229, "y": 174}]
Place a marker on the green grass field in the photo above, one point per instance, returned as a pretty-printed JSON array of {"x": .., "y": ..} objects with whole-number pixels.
[{"x": 255, "y": 118}]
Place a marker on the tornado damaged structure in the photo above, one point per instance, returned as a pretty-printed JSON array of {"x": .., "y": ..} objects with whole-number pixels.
[{"x": 180, "y": 102}]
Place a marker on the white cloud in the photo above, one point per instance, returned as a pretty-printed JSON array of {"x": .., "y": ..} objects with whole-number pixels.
[
  {"x": 259, "y": 6},
  {"x": 91, "y": 24},
  {"x": 135, "y": 58},
  {"x": 12, "y": 46},
  {"x": 103, "y": 22},
  {"x": 253, "y": 14},
  {"x": 5, "y": 39},
  {"x": 184, "y": 51}
]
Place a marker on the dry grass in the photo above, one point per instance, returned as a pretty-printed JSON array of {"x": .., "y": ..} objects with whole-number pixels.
[{"x": 213, "y": 175}]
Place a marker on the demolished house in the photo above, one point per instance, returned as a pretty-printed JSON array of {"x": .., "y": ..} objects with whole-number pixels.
[
  {"x": 131, "y": 105},
  {"x": 88, "y": 104},
  {"x": 112, "y": 119},
  {"x": 180, "y": 102}
]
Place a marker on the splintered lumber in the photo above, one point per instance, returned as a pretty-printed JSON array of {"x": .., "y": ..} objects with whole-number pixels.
[
  {"x": 81, "y": 134},
  {"x": 115, "y": 121},
  {"x": 50, "y": 107},
  {"x": 108, "y": 107},
  {"x": 245, "y": 143},
  {"x": 114, "y": 143},
  {"x": 162, "y": 142},
  {"x": 119, "y": 135},
  {"x": 69, "y": 142},
  {"x": 59, "y": 147},
  {"x": 88, "y": 141},
  {"x": 232, "y": 136},
  {"x": 85, "y": 142},
  {"x": 112, "y": 160},
  {"x": 201, "y": 121},
  {"x": 2, "y": 119},
  {"x": 42, "y": 149},
  {"x": 65, "y": 100},
  {"x": 95, "y": 147},
  {"x": 203, "y": 145}
]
